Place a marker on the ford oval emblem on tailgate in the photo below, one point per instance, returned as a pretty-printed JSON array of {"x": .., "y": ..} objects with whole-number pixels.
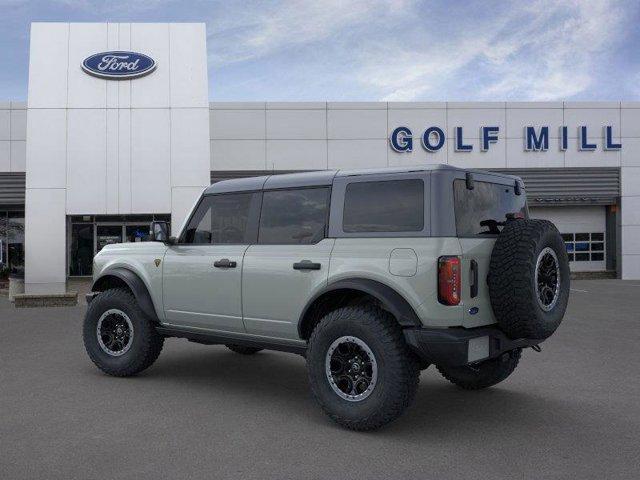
[{"x": 118, "y": 65}]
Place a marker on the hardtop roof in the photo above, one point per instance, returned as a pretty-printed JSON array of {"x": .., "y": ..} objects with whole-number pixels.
[{"x": 324, "y": 177}]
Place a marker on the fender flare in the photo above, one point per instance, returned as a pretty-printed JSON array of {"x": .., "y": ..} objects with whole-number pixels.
[
  {"x": 135, "y": 284},
  {"x": 387, "y": 296}
]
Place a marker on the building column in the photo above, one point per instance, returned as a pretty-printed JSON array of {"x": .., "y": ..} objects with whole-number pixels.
[
  {"x": 630, "y": 223},
  {"x": 45, "y": 241}
]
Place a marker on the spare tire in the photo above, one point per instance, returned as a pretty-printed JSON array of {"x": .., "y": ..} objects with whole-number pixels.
[{"x": 529, "y": 279}]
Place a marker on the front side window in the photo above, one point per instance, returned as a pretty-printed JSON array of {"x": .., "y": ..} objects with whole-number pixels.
[
  {"x": 483, "y": 210},
  {"x": 384, "y": 206},
  {"x": 294, "y": 216},
  {"x": 220, "y": 219}
]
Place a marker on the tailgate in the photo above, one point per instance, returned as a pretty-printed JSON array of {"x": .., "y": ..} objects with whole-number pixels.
[{"x": 476, "y": 255}]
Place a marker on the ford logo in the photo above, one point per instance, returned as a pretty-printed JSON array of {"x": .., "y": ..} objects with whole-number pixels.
[{"x": 118, "y": 65}]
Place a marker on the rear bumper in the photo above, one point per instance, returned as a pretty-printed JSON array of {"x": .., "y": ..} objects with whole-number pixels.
[{"x": 461, "y": 346}]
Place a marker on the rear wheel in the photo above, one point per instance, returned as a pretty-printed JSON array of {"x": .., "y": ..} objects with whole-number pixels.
[
  {"x": 242, "y": 350},
  {"x": 483, "y": 374},
  {"x": 360, "y": 369},
  {"x": 118, "y": 336}
]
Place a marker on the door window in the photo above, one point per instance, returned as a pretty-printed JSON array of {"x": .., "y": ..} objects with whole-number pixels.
[
  {"x": 222, "y": 219},
  {"x": 384, "y": 206},
  {"x": 294, "y": 216}
]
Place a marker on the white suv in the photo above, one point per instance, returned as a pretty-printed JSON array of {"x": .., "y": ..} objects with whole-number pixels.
[{"x": 370, "y": 274}]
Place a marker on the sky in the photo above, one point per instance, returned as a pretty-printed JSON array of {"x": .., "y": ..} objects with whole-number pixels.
[{"x": 377, "y": 50}]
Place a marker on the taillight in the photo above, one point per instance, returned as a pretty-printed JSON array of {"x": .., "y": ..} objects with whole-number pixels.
[{"x": 449, "y": 280}]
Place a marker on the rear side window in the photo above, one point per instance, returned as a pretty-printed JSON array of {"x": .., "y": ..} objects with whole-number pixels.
[
  {"x": 221, "y": 219},
  {"x": 483, "y": 210},
  {"x": 295, "y": 216},
  {"x": 384, "y": 206}
]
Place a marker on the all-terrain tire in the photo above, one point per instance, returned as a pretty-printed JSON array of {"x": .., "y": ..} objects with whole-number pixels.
[
  {"x": 397, "y": 368},
  {"x": 146, "y": 344},
  {"x": 522, "y": 248},
  {"x": 484, "y": 374},
  {"x": 242, "y": 350}
]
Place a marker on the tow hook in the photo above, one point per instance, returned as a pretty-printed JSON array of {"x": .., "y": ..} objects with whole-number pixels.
[{"x": 536, "y": 348}]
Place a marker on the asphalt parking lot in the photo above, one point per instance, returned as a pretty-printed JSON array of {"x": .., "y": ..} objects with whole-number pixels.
[{"x": 572, "y": 411}]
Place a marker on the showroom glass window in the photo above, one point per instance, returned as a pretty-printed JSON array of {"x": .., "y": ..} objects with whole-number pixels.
[
  {"x": 585, "y": 246},
  {"x": 221, "y": 219},
  {"x": 483, "y": 210},
  {"x": 4, "y": 256},
  {"x": 384, "y": 206},
  {"x": 91, "y": 233},
  {"x": 81, "y": 258},
  {"x": 11, "y": 243},
  {"x": 294, "y": 216}
]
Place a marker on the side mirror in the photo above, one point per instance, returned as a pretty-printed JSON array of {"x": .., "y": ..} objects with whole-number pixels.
[{"x": 159, "y": 232}]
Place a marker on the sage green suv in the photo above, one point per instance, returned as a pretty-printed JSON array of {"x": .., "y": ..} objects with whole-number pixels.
[{"x": 372, "y": 275}]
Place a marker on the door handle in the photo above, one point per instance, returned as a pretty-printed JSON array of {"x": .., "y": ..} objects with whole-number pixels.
[
  {"x": 306, "y": 265},
  {"x": 224, "y": 263},
  {"x": 474, "y": 279}
]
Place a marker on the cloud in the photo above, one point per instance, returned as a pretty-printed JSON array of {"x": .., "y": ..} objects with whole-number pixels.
[
  {"x": 105, "y": 7},
  {"x": 556, "y": 57},
  {"x": 409, "y": 50},
  {"x": 540, "y": 51},
  {"x": 262, "y": 28},
  {"x": 387, "y": 49}
]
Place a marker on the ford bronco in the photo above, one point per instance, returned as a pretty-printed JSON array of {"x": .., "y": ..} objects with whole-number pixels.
[{"x": 371, "y": 275}]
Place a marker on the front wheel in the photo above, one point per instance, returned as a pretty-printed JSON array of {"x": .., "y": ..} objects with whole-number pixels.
[
  {"x": 361, "y": 372},
  {"x": 483, "y": 374},
  {"x": 118, "y": 336}
]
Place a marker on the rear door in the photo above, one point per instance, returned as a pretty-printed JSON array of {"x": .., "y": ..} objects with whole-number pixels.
[
  {"x": 289, "y": 262},
  {"x": 480, "y": 215}
]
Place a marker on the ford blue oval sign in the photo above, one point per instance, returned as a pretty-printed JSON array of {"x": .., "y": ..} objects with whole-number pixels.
[{"x": 118, "y": 65}]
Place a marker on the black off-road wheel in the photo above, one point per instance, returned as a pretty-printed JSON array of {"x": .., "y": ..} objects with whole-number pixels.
[
  {"x": 483, "y": 374},
  {"x": 118, "y": 336},
  {"x": 242, "y": 350},
  {"x": 529, "y": 279},
  {"x": 361, "y": 372}
]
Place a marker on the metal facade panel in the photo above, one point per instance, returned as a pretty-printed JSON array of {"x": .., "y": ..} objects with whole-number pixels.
[
  {"x": 12, "y": 189},
  {"x": 570, "y": 186}
]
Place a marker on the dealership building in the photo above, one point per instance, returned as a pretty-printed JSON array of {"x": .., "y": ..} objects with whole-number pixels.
[{"x": 118, "y": 130}]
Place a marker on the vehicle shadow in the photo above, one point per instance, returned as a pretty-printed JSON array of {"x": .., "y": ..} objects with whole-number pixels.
[{"x": 278, "y": 382}]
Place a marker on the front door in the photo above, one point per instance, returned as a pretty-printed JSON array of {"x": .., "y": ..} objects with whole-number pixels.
[
  {"x": 202, "y": 273},
  {"x": 289, "y": 263}
]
